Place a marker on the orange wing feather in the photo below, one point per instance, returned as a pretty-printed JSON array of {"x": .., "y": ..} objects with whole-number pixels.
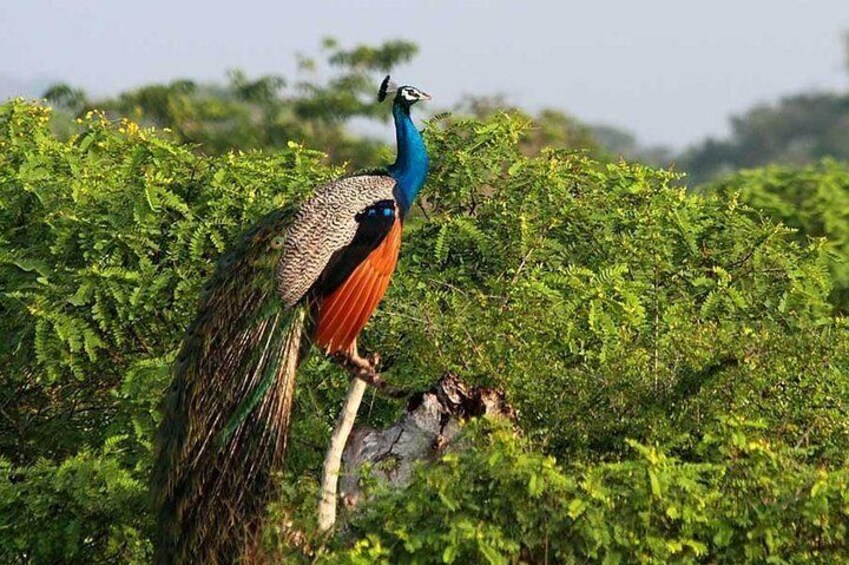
[{"x": 344, "y": 313}]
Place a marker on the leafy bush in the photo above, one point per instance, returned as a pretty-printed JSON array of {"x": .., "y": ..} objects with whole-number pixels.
[
  {"x": 626, "y": 319},
  {"x": 105, "y": 243},
  {"x": 742, "y": 500},
  {"x": 813, "y": 200},
  {"x": 609, "y": 304}
]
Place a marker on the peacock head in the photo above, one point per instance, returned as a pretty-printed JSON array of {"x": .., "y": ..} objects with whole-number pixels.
[{"x": 405, "y": 96}]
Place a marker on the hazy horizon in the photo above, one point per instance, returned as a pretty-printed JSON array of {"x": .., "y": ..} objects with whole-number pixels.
[{"x": 669, "y": 73}]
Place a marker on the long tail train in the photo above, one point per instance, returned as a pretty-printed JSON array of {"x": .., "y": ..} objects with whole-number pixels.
[{"x": 227, "y": 413}]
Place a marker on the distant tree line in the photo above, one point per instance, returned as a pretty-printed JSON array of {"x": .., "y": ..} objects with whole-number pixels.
[
  {"x": 799, "y": 129},
  {"x": 269, "y": 111}
]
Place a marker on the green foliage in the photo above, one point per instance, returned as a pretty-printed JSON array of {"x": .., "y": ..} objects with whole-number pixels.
[
  {"x": 548, "y": 129},
  {"x": 106, "y": 240},
  {"x": 627, "y": 320},
  {"x": 741, "y": 499},
  {"x": 813, "y": 200},
  {"x": 88, "y": 507},
  {"x": 610, "y": 304}
]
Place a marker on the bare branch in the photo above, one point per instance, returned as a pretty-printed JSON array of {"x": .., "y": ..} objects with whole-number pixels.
[{"x": 333, "y": 458}]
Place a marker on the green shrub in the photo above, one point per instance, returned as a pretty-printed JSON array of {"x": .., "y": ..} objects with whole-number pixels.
[
  {"x": 609, "y": 304},
  {"x": 813, "y": 200},
  {"x": 106, "y": 240},
  {"x": 742, "y": 499},
  {"x": 625, "y": 319}
]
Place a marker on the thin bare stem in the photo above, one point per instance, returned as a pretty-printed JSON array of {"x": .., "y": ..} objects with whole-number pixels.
[{"x": 333, "y": 458}]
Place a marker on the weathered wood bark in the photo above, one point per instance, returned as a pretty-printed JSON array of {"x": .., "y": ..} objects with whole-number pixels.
[{"x": 430, "y": 425}]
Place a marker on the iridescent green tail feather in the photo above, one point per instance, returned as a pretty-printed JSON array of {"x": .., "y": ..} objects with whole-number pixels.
[{"x": 226, "y": 415}]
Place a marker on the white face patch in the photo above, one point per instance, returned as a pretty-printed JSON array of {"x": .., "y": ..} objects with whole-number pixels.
[{"x": 411, "y": 94}]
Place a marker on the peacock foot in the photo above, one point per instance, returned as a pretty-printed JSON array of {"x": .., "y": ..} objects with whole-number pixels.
[
  {"x": 365, "y": 369},
  {"x": 353, "y": 361}
]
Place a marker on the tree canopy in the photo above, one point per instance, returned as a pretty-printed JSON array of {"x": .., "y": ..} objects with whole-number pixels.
[{"x": 798, "y": 130}]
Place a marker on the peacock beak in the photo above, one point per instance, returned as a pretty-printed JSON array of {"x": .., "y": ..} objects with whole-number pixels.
[{"x": 426, "y": 96}]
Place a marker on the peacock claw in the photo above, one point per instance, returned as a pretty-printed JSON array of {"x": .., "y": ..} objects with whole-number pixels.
[
  {"x": 365, "y": 369},
  {"x": 352, "y": 361},
  {"x": 360, "y": 363}
]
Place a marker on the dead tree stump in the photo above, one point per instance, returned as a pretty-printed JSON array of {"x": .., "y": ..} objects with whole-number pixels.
[{"x": 430, "y": 425}]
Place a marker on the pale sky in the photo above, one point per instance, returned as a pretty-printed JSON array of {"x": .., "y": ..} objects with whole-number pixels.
[{"x": 671, "y": 71}]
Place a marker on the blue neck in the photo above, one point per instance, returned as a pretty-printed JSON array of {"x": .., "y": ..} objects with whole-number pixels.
[{"x": 410, "y": 167}]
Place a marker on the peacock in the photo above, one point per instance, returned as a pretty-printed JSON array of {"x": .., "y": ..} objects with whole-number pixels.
[{"x": 310, "y": 275}]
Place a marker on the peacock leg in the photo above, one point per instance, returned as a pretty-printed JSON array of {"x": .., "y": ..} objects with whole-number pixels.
[
  {"x": 365, "y": 369},
  {"x": 362, "y": 363}
]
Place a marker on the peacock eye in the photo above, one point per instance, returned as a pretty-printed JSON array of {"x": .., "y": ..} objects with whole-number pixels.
[{"x": 277, "y": 242}]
